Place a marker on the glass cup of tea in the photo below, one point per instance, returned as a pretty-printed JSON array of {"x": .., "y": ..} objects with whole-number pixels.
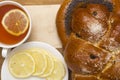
[{"x": 10, "y": 38}]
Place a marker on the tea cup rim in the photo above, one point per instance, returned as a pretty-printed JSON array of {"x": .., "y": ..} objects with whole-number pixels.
[{"x": 2, "y": 45}]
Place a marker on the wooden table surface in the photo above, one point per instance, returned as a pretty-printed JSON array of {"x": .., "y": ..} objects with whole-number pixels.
[
  {"x": 37, "y": 2},
  {"x": 32, "y": 2}
]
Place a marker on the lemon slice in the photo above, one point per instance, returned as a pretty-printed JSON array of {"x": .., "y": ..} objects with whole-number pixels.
[
  {"x": 21, "y": 65},
  {"x": 40, "y": 60},
  {"x": 15, "y": 22},
  {"x": 58, "y": 72},
  {"x": 50, "y": 64}
]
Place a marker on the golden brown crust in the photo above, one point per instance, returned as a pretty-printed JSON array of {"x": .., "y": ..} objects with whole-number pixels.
[
  {"x": 112, "y": 41},
  {"x": 88, "y": 27},
  {"x": 100, "y": 12},
  {"x": 113, "y": 72},
  {"x": 92, "y": 48},
  {"x": 60, "y": 20},
  {"x": 83, "y": 77},
  {"x": 84, "y": 58}
]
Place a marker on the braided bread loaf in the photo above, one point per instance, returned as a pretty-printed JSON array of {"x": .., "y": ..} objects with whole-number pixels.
[{"x": 92, "y": 44}]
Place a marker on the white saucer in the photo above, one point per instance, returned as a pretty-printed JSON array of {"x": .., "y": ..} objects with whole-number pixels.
[{"x": 6, "y": 75}]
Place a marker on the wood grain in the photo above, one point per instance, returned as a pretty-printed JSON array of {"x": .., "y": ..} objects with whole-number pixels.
[{"x": 38, "y": 2}]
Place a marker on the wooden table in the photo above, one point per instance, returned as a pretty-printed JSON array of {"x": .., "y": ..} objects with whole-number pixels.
[
  {"x": 35, "y": 3},
  {"x": 38, "y": 2}
]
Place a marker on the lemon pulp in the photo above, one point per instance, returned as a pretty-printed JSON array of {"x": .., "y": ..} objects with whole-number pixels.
[{"x": 21, "y": 65}]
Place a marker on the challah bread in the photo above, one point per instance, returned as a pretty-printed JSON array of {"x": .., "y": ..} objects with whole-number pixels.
[
  {"x": 83, "y": 77},
  {"x": 90, "y": 23},
  {"x": 84, "y": 58},
  {"x": 92, "y": 44},
  {"x": 111, "y": 41}
]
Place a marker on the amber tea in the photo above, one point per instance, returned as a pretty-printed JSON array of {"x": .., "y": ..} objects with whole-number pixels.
[{"x": 6, "y": 37}]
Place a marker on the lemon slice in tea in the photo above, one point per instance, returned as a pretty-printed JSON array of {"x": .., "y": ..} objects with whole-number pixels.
[
  {"x": 40, "y": 60},
  {"x": 58, "y": 72},
  {"x": 50, "y": 64},
  {"x": 15, "y": 22},
  {"x": 21, "y": 65}
]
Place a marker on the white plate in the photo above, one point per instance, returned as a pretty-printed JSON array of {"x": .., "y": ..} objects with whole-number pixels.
[{"x": 5, "y": 74}]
